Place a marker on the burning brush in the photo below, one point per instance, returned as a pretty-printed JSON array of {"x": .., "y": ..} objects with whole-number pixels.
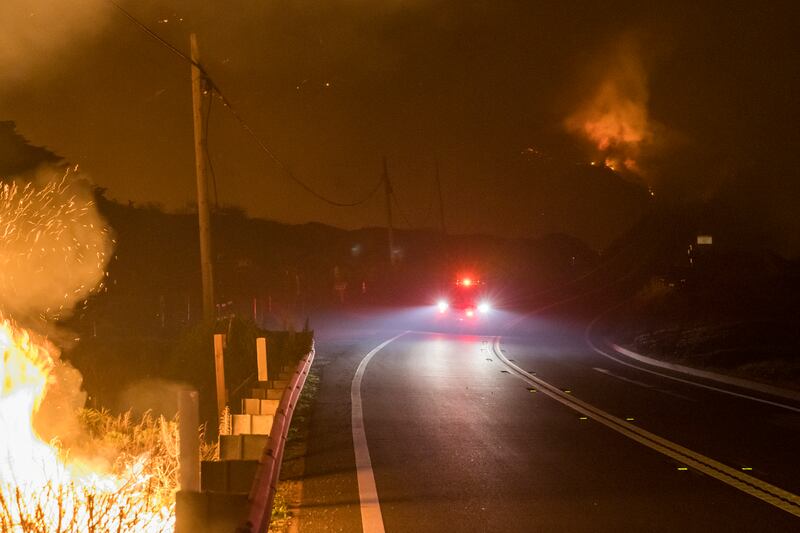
[{"x": 53, "y": 252}]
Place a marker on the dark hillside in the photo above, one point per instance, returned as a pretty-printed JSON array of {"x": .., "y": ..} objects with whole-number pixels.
[{"x": 731, "y": 305}]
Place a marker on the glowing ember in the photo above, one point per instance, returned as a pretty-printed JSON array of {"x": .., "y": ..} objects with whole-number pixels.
[
  {"x": 53, "y": 245},
  {"x": 41, "y": 487}
]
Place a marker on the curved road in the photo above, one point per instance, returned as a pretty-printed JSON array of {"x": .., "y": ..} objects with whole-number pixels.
[{"x": 458, "y": 440}]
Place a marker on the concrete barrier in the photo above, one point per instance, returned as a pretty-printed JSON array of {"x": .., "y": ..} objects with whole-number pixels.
[{"x": 237, "y": 492}]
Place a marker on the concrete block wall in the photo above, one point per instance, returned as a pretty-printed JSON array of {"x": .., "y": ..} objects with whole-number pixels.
[
  {"x": 258, "y": 406},
  {"x": 223, "y": 504},
  {"x": 252, "y": 424},
  {"x": 251, "y": 427},
  {"x": 210, "y": 512}
]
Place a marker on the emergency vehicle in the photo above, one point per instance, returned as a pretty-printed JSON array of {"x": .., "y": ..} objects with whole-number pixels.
[{"x": 466, "y": 299}]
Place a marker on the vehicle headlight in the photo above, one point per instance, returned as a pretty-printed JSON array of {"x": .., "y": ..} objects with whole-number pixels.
[
  {"x": 483, "y": 307},
  {"x": 442, "y": 305}
]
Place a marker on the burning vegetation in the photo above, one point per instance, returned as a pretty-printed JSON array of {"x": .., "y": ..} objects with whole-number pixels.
[
  {"x": 615, "y": 118},
  {"x": 93, "y": 471}
]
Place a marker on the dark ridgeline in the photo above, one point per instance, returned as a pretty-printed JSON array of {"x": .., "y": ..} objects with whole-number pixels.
[{"x": 18, "y": 156}]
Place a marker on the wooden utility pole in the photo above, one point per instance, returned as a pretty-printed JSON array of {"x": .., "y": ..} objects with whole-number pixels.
[
  {"x": 441, "y": 201},
  {"x": 203, "y": 212},
  {"x": 390, "y": 230}
]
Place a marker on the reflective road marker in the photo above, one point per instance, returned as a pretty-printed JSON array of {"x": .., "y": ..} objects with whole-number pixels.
[{"x": 780, "y": 498}]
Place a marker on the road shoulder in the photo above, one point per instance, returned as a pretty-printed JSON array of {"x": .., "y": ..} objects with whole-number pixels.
[{"x": 706, "y": 374}]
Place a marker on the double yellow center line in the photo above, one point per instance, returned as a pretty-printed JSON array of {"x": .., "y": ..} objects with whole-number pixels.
[{"x": 762, "y": 490}]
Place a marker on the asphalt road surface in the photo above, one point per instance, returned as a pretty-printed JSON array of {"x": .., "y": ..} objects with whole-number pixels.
[{"x": 515, "y": 423}]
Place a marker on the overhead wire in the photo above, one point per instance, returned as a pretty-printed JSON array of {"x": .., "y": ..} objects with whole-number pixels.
[
  {"x": 406, "y": 219},
  {"x": 429, "y": 208},
  {"x": 169, "y": 46},
  {"x": 281, "y": 165},
  {"x": 242, "y": 123},
  {"x": 401, "y": 212}
]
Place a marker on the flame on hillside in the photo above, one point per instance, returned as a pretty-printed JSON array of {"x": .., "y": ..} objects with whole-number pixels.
[{"x": 615, "y": 117}]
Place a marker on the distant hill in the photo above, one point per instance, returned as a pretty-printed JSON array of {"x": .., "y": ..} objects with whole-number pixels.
[
  {"x": 282, "y": 268},
  {"x": 17, "y": 155}
]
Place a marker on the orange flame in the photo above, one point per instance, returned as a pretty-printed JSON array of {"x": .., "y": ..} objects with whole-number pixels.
[
  {"x": 41, "y": 488},
  {"x": 615, "y": 118}
]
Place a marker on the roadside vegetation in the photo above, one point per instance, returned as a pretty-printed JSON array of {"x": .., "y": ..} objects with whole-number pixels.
[{"x": 728, "y": 311}]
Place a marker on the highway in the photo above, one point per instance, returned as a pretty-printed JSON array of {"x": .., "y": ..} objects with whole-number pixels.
[{"x": 517, "y": 424}]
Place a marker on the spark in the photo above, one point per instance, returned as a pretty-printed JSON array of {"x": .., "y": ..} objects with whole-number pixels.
[{"x": 43, "y": 225}]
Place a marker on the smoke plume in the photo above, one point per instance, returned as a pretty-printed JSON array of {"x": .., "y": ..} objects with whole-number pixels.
[
  {"x": 615, "y": 116},
  {"x": 36, "y": 33},
  {"x": 54, "y": 248}
]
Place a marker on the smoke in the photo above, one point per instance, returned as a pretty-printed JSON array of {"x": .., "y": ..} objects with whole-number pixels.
[
  {"x": 614, "y": 118},
  {"x": 36, "y": 33},
  {"x": 156, "y": 396},
  {"x": 54, "y": 245},
  {"x": 57, "y": 416},
  {"x": 54, "y": 248}
]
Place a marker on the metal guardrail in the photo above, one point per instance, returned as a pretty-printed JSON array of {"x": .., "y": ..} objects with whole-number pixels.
[{"x": 262, "y": 494}]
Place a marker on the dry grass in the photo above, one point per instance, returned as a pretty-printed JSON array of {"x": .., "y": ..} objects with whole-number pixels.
[{"x": 136, "y": 492}]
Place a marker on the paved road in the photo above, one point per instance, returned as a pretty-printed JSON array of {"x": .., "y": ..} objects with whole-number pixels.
[{"x": 457, "y": 442}]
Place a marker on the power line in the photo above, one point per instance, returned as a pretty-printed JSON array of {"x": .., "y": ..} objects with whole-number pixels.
[
  {"x": 428, "y": 211},
  {"x": 402, "y": 213},
  {"x": 429, "y": 208},
  {"x": 267, "y": 150},
  {"x": 169, "y": 46},
  {"x": 242, "y": 123}
]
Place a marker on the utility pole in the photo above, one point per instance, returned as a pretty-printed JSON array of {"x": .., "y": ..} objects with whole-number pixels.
[
  {"x": 439, "y": 189},
  {"x": 203, "y": 212},
  {"x": 390, "y": 231}
]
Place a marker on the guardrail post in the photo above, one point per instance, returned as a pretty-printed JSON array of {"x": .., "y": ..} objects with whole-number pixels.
[
  {"x": 189, "y": 440},
  {"x": 261, "y": 357},
  {"x": 190, "y": 511},
  {"x": 219, "y": 365}
]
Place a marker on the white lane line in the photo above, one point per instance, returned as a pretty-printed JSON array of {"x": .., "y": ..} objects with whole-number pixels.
[
  {"x": 780, "y": 498},
  {"x": 690, "y": 382},
  {"x": 371, "y": 518},
  {"x": 613, "y": 375},
  {"x": 763, "y": 388},
  {"x": 641, "y": 384}
]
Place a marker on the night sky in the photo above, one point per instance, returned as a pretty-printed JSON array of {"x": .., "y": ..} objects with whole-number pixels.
[{"x": 516, "y": 100}]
